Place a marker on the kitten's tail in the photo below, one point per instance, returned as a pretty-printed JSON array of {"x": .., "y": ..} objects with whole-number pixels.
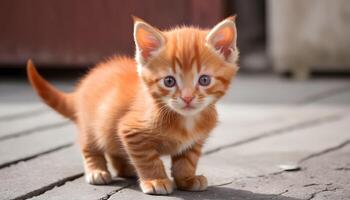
[{"x": 62, "y": 102}]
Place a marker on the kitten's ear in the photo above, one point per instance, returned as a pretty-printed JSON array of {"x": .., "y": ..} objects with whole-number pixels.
[
  {"x": 148, "y": 40},
  {"x": 223, "y": 39}
]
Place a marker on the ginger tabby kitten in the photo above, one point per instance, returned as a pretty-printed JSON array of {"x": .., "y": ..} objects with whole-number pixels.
[{"x": 131, "y": 112}]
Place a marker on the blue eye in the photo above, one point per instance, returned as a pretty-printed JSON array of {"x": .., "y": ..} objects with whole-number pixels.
[
  {"x": 204, "y": 80},
  {"x": 169, "y": 81}
]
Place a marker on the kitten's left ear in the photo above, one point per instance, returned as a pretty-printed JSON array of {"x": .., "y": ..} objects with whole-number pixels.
[
  {"x": 148, "y": 40},
  {"x": 223, "y": 39}
]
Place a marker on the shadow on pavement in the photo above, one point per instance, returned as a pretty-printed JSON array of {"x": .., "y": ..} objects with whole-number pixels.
[{"x": 214, "y": 192}]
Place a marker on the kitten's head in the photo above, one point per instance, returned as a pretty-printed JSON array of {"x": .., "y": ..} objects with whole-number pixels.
[{"x": 187, "y": 69}]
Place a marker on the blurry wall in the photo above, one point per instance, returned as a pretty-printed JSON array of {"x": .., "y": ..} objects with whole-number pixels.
[
  {"x": 309, "y": 36},
  {"x": 79, "y": 33},
  {"x": 82, "y": 32},
  {"x": 251, "y": 25}
]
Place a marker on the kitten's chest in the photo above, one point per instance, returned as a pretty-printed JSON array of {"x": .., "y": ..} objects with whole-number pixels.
[
  {"x": 183, "y": 133},
  {"x": 187, "y": 144},
  {"x": 181, "y": 139},
  {"x": 167, "y": 146}
]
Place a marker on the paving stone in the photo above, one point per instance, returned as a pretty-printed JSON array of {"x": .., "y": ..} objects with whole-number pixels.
[
  {"x": 264, "y": 156},
  {"x": 79, "y": 189},
  {"x": 38, "y": 173},
  {"x": 34, "y": 144},
  {"x": 273, "y": 90},
  {"x": 38, "y": 121},
  {"x": 219, "y": 193},
  {"x": 10, "y": 110},
  {"x": 242, "y": 122},
  {"x": 322, "y": 177},
  {"x": 341, "y": 99}
]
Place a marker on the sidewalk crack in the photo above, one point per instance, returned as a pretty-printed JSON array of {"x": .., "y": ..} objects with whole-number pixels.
[
  {"x": 278, "y": 131},
  {"x": 24, "y": 114},
  {"x": 108, "y": 195},
  {"x": 327, "y": 189},
  {"x": 34, "y": 130},
  {"x": 325, "y": 151},
  {"x": 13, "y": 162},
  {"x": 46, "y": 188},
  {"x": 323, "y": 95}
]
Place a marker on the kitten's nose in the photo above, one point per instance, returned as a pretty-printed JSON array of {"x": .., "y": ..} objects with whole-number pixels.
[
  {"x": 187, "y": 95},
  {"x": 187, "y": 99}
]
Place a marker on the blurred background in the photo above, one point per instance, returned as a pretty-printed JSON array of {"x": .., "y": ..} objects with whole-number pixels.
[
  {"x": 288, "y": 109},
  {"x": 288, "y": 37}
]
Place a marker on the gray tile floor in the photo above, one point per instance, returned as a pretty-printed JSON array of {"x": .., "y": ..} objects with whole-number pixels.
[{"x": 265, "y": 122}]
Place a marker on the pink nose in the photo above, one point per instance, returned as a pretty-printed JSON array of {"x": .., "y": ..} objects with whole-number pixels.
[{"x": 187, "y": 99}]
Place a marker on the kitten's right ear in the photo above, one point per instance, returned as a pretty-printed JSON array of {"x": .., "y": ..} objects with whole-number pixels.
[
  {"x": 222, "y": 38},
  {"x": 149, "y": 40}
]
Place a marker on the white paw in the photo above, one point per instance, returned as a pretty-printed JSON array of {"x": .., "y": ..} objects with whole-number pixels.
[
  {"x": 157, "y": 186},
  {"x": 195, "y": 183},
  {"x": 98, "y": 177},
  {"x": 200, "y": 183}
]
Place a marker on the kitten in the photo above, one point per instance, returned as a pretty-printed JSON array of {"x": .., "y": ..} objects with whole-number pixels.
[{"x": 162, "y": 103}]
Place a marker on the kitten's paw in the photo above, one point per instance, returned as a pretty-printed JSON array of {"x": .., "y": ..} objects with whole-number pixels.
[
  {"x": 195, "y": 183},
  {"x": 157, "y": 186},
  {"x": 98, "y": 177}
]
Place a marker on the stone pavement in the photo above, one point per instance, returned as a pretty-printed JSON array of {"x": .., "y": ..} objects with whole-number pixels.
[{"x": 277, "y": 139}]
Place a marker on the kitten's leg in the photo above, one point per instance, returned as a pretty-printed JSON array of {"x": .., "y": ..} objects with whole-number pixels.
[
  {"x": 147, "y": 162},
  {"x": 184, "y": 169},
  {"x": 123, "y": 166},
  {"x": 150, "y": 168},
  {"x": 95, "y": 164},
  {"x": 96, "y": 171}
]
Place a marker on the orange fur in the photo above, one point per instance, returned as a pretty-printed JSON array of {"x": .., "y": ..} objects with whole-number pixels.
[
  {"x": 132, "y": 118},
  {"x": 61, "y": 102}
]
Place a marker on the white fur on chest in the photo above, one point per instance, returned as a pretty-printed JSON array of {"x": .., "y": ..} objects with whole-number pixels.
[
  {"x": 189, "y": 125},
  {"x": 185, "y": 146}
]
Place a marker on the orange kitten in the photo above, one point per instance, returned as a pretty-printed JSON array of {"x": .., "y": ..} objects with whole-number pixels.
[{"x": 132, "y": 112}]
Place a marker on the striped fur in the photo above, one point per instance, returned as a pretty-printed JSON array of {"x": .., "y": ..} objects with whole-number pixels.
[{"x": 130, "y": 119}]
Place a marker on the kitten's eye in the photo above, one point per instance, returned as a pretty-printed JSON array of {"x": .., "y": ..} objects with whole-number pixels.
[
  {"x": 169, "y": 81},
  {"x": 204, "y": 80}
]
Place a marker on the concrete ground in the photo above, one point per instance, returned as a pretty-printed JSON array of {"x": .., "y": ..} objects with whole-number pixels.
[{"x": 277, "y": 139}]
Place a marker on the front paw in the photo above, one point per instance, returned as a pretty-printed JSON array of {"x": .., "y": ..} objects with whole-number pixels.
[
  {"x": 157, "y": 186},
  {"x": 194, "y": 183},
  {"x": 98, "y": 177}
]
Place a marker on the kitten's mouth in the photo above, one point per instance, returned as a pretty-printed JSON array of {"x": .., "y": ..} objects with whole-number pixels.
[
  {"x": 187, "y": 110},
  {"x": 188, "y": 107}
]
